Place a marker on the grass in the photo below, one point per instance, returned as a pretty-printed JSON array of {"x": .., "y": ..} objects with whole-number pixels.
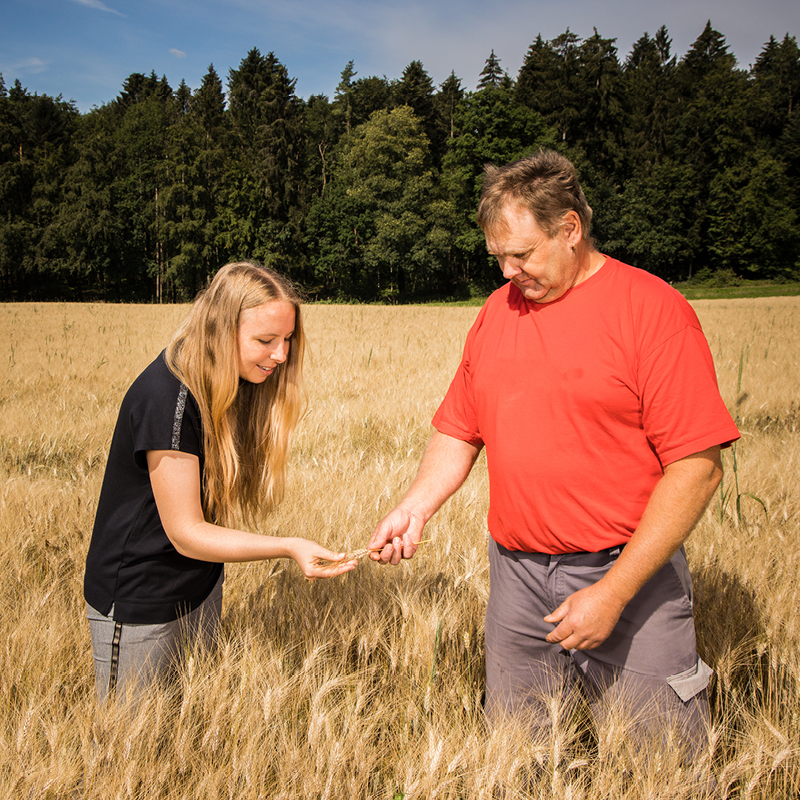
[
  {"x": 746, "y": 289},
  {"x": 370, "y": 686},
  {"x": 691, "y": 291}
]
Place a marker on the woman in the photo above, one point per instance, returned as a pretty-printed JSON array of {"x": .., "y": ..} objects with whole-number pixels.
[{"x": 203, "y": 432}]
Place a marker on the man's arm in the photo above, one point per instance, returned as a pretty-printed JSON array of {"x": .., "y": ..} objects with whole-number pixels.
[
  {"x": 587, "y": 617},
  {"x": 445, "y": 465}
]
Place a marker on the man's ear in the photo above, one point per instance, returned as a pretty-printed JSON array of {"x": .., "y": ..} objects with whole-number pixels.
[{"x": 571, "y": 226}]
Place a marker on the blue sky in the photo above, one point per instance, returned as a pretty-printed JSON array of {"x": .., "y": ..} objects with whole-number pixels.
[{"x": 84, "y": 49}]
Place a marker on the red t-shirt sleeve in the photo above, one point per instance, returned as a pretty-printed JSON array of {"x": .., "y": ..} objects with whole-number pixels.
[
  {"x": 682, "y": 411},
  {"x": 456, "y": 415}
]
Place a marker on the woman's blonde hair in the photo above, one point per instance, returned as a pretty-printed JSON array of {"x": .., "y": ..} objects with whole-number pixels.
[{"x": 247, "y": 427}]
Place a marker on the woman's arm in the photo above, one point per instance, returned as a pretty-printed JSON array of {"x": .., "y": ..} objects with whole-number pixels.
[{"x": 175, "y": 478}]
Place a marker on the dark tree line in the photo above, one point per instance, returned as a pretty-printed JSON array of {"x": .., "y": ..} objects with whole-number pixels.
[{"x": 692, "y": 167}]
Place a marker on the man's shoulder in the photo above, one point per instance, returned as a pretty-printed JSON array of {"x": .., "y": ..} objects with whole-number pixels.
[
  {"x": 500, "y": 306},
  {"x": 640, "y": 279},
  {"x": 647, "y": 292},
  {"x": 501, "y": 293},
  {"x": 507, "y": 297}
]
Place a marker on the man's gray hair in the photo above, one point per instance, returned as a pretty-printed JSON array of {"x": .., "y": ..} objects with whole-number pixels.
[{"x": 545, "y": 183}]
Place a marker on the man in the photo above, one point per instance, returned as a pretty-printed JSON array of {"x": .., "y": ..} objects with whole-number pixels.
[{"x": 592, "y": 387}]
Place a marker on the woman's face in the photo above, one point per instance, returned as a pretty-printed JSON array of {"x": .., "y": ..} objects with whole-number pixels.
[{"x": 264, "y": 338}]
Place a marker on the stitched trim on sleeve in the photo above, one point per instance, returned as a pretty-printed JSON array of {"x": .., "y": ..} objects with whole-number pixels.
[{"x": 180, "y": 407}]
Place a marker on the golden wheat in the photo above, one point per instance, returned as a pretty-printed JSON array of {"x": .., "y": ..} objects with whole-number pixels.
[{"x": 370, "y": 686}]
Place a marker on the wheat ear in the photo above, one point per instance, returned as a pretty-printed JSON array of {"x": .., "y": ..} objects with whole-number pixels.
[{"x": 359, "y": 554}]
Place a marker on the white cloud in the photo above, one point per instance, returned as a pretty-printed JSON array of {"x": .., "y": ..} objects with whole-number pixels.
[
  {"x": 177, "y": 53},
  {"x": 98, "y": 6},
  {"x": 28, "y": 66}
]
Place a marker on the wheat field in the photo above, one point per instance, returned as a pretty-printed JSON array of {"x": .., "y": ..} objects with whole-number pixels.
[{"x": 370, "y": 686}]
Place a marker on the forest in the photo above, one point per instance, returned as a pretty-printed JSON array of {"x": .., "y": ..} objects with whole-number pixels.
[{"x": 691, "y": 164}]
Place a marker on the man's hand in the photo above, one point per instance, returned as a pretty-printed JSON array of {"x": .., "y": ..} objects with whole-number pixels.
[
  {"x": 396, "y": 536},
  {"x": 585, "y": 619},
  {"x": 445, "y": 465}
]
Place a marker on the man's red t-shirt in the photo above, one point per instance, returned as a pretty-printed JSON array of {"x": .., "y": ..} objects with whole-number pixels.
[{"x": 580, "y": 404}]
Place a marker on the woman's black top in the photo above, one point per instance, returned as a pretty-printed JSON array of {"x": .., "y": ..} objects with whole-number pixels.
[{"x": 131, "y": 565}]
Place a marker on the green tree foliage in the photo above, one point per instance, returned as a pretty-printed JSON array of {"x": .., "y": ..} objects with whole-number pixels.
[
  {"x": 415, "y": 90},
  {"x": 145, "y": 116},
  {"x": 321, "y": 126},
  {"x": 445, "y": 103},
  {"x": 598, "y": 129},
  {"x": 576, "y": 85},
  {"x": 103, "y": 264},
  {"x": 649, "y": 97},
  {"x": 35, "y": 153},
  {"x": 262, "y": 198},
  {"x": 753, "y": 231},
  {"x": 548, "y": 82},
  {"x": 380, "y": 219},
  {"x": 369, "y": 95},
  {"x": 648, "y": 229},
  {"x": 489, "y": 129},
  {"x": 207, "y": 135},
  {"x": 692, "y": 165},
  {"x": 343, "y": 106},
  {"x": 710, "y": 134},
  {"x": 776, "y": 87},
  {"x": 493, "y": 75}
]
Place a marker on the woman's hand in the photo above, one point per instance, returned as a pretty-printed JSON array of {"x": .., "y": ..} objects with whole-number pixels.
[{"x": 310, "y": 555}]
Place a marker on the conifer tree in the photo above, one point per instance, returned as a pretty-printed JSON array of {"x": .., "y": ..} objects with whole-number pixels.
[
  {"x": 492, "y": 73},
  {"x": 776, "y": 87},
  {"x": 649, "y": 97},
  {"x": 264, "y": 182},
  {"x": 446, "y": 101},
  {"x": 342, "y": 103}
]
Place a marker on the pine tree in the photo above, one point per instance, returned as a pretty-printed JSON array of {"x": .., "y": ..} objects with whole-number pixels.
[
  {"x": 776, "y": 87},
  {"x": 320, "y": 128},
  {"x": 599, "y": 125},
  {"x": 262, "y": 207},
  {"x": 369, "y": 95},
  {"x": 549, "y": 83},
  {"x": 710, "y": 133},
  {"x": 36, "y": 151},
  {"x": 492, "y": 74},
  {"x": 342, "y": 102},
  {"x": 538, "y": 70},
  {"x": 183, "y": 95},
  {"x": 446, "y": 101},
  {"x": 415, "y": 90},
  {"x": 650, "y": 98}
]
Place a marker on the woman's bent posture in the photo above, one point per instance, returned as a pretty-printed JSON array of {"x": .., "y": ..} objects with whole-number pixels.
[{"x": 203, "y": 432}]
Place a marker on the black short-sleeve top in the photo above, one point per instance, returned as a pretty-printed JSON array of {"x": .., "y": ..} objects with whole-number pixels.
[{"x": 131, "y": 565}]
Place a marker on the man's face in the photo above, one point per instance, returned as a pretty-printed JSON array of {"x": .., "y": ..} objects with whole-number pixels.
[{"x": 541, "y": 267}]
